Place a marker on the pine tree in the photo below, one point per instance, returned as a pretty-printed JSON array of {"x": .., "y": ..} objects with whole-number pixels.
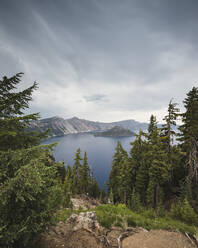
[
  {"x": 13, "y": 122},
  {"x": 168, "y": 134},
  {"x": 157, "y": 159},
  {"x": 124, "y": 179},
  {"x": 94, "y": 189},
  {"x": 189, "y": 139},
  {"x": 140, "y": 175},
  {"x": 30, "y": 190},
  {"x": 67, "y": 187},
  {"x": 152, "y": 128},
  {"x": 114, "y": 178},
  {"x": 76, "y": 173},
  {"x": 85, "y": 174},
  {"x": 167, "y": 129},
  {"x": 137, "y": 161}
]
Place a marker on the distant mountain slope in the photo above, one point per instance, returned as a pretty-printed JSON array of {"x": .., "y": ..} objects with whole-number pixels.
[
  {"x": 60, "y": 126},
  {"x": 116, "y": 131}
]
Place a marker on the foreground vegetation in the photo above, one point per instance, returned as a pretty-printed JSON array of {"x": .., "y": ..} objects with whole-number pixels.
[{"x": 119, "y": 215}]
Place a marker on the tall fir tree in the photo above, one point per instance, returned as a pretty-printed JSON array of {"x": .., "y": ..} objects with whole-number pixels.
[
  {"x": 168, "y": 135},
  {"x": 189, "y": 140},
  {"x": 76, "y": 172},
  {"x": 124, "y": 180},
  {"x": 167, "y": 130},
  {"x": 158, "y": 169},
  {"x": 13, "y": 122},
  {"x": 140, "y": 169},
  {"x": 67, "y": 187},
  {"x": 30, "y": 190},
  {"x": 114, "y": 177},
  {"x": 85, "y": 174}
]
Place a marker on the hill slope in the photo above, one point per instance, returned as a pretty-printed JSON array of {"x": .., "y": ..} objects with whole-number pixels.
[
  {"x": 116, "y": 131},
  {"x": 60, "y": 126}
]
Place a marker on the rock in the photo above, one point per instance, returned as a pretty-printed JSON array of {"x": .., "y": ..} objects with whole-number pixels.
[
  {"x": 84, "y": 202},
  {"x": 86, "y": 221}
]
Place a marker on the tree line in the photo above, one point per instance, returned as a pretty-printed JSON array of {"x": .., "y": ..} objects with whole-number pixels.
[
  {"x": 162, "y": 165},
  {"x": 79, "y": 179}
]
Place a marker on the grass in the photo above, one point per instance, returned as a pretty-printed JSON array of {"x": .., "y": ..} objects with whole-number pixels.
[
  {"x": 64, "y": 213},
  {"x": 111, "y": 215}
]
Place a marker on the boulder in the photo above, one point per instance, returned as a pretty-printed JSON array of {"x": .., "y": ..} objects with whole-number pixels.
[{"x": 87, "y": 220}]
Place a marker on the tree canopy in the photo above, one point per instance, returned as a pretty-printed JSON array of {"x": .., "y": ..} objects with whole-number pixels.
[{"x": 30, "y": 188}]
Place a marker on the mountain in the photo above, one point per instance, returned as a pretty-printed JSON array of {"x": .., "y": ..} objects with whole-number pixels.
[
  {"x": 116, "y": 131},
  {"x": 60, "y": 126}
]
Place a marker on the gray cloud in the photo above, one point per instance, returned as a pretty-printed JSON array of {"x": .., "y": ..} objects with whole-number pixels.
[
  {"x": 138, "y": 53},
  {"x": 96, "y": 98}
]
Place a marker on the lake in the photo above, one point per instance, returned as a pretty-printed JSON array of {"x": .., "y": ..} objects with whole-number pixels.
[{"x": 99, "y": 150}]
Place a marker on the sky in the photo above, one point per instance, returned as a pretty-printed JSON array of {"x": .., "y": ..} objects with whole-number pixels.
[{"x": 101, "y": 60}]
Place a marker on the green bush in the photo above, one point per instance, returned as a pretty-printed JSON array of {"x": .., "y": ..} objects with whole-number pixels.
[
  {"x": 29, "y": 193},
  {"x": 161, "y": 212},
  {"x": 150, "y": 213},
  {"x": 106, "y": 220},
  {"x": 183, "y": 211},
  {"x": 131, "y": 221}
]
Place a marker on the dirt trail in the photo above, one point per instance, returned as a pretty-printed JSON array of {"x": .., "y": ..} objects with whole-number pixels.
[{"x": 157, "y": 239}]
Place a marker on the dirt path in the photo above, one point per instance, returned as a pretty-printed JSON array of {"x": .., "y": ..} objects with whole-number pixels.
[{"x": 157, "y": 239}]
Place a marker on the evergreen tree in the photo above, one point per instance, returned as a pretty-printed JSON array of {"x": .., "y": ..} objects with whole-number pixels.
[
  {"x": 114, "y": 178},
  {"x": 152, "y": 128},
  {"x": 158, "y": 168},
  {"x": 83, "y": 181},
  {"x": 124, "y": 180},
  {"x": 85, "y": 174},
  {"x": 76, "y": 173},
  {"x": 167, "y": 128},
  {"x": 13, "y": 122},
  {"x": 140, "y": 175},
  {"x": 94, "y": 189},
  {"x": 189, "y": 139},
  {"x": 168, "y": 133},
  {"x": 67, "y": 187},
  {"x": 30, "y": 189}
]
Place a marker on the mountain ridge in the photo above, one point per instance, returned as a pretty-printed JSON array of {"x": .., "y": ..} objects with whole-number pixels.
[{"x": 60, "y": 126}]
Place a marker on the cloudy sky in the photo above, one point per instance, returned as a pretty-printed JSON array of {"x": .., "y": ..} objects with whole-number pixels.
[{"x": 104, "y": 60}]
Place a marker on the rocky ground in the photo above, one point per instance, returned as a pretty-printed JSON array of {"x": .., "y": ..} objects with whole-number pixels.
[
  {"x": 84, "y": 231},
  {"x": 84, "y": 202}
]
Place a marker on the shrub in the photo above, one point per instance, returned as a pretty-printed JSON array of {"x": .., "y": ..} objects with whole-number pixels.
[
  {"x": 150, "y": 213},
  {"x": 29, "y": 197},
  {"x": 131, "y": 221},
  {"x": 183, "y": 211}
]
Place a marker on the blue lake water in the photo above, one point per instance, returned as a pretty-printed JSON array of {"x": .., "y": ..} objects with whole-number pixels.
[{"x": 99, "y": 150}]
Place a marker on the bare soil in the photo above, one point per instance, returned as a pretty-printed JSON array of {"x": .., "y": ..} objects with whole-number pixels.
[
  {"x": 157, "y": 239},
  {"x": 63, "y": 237}
]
